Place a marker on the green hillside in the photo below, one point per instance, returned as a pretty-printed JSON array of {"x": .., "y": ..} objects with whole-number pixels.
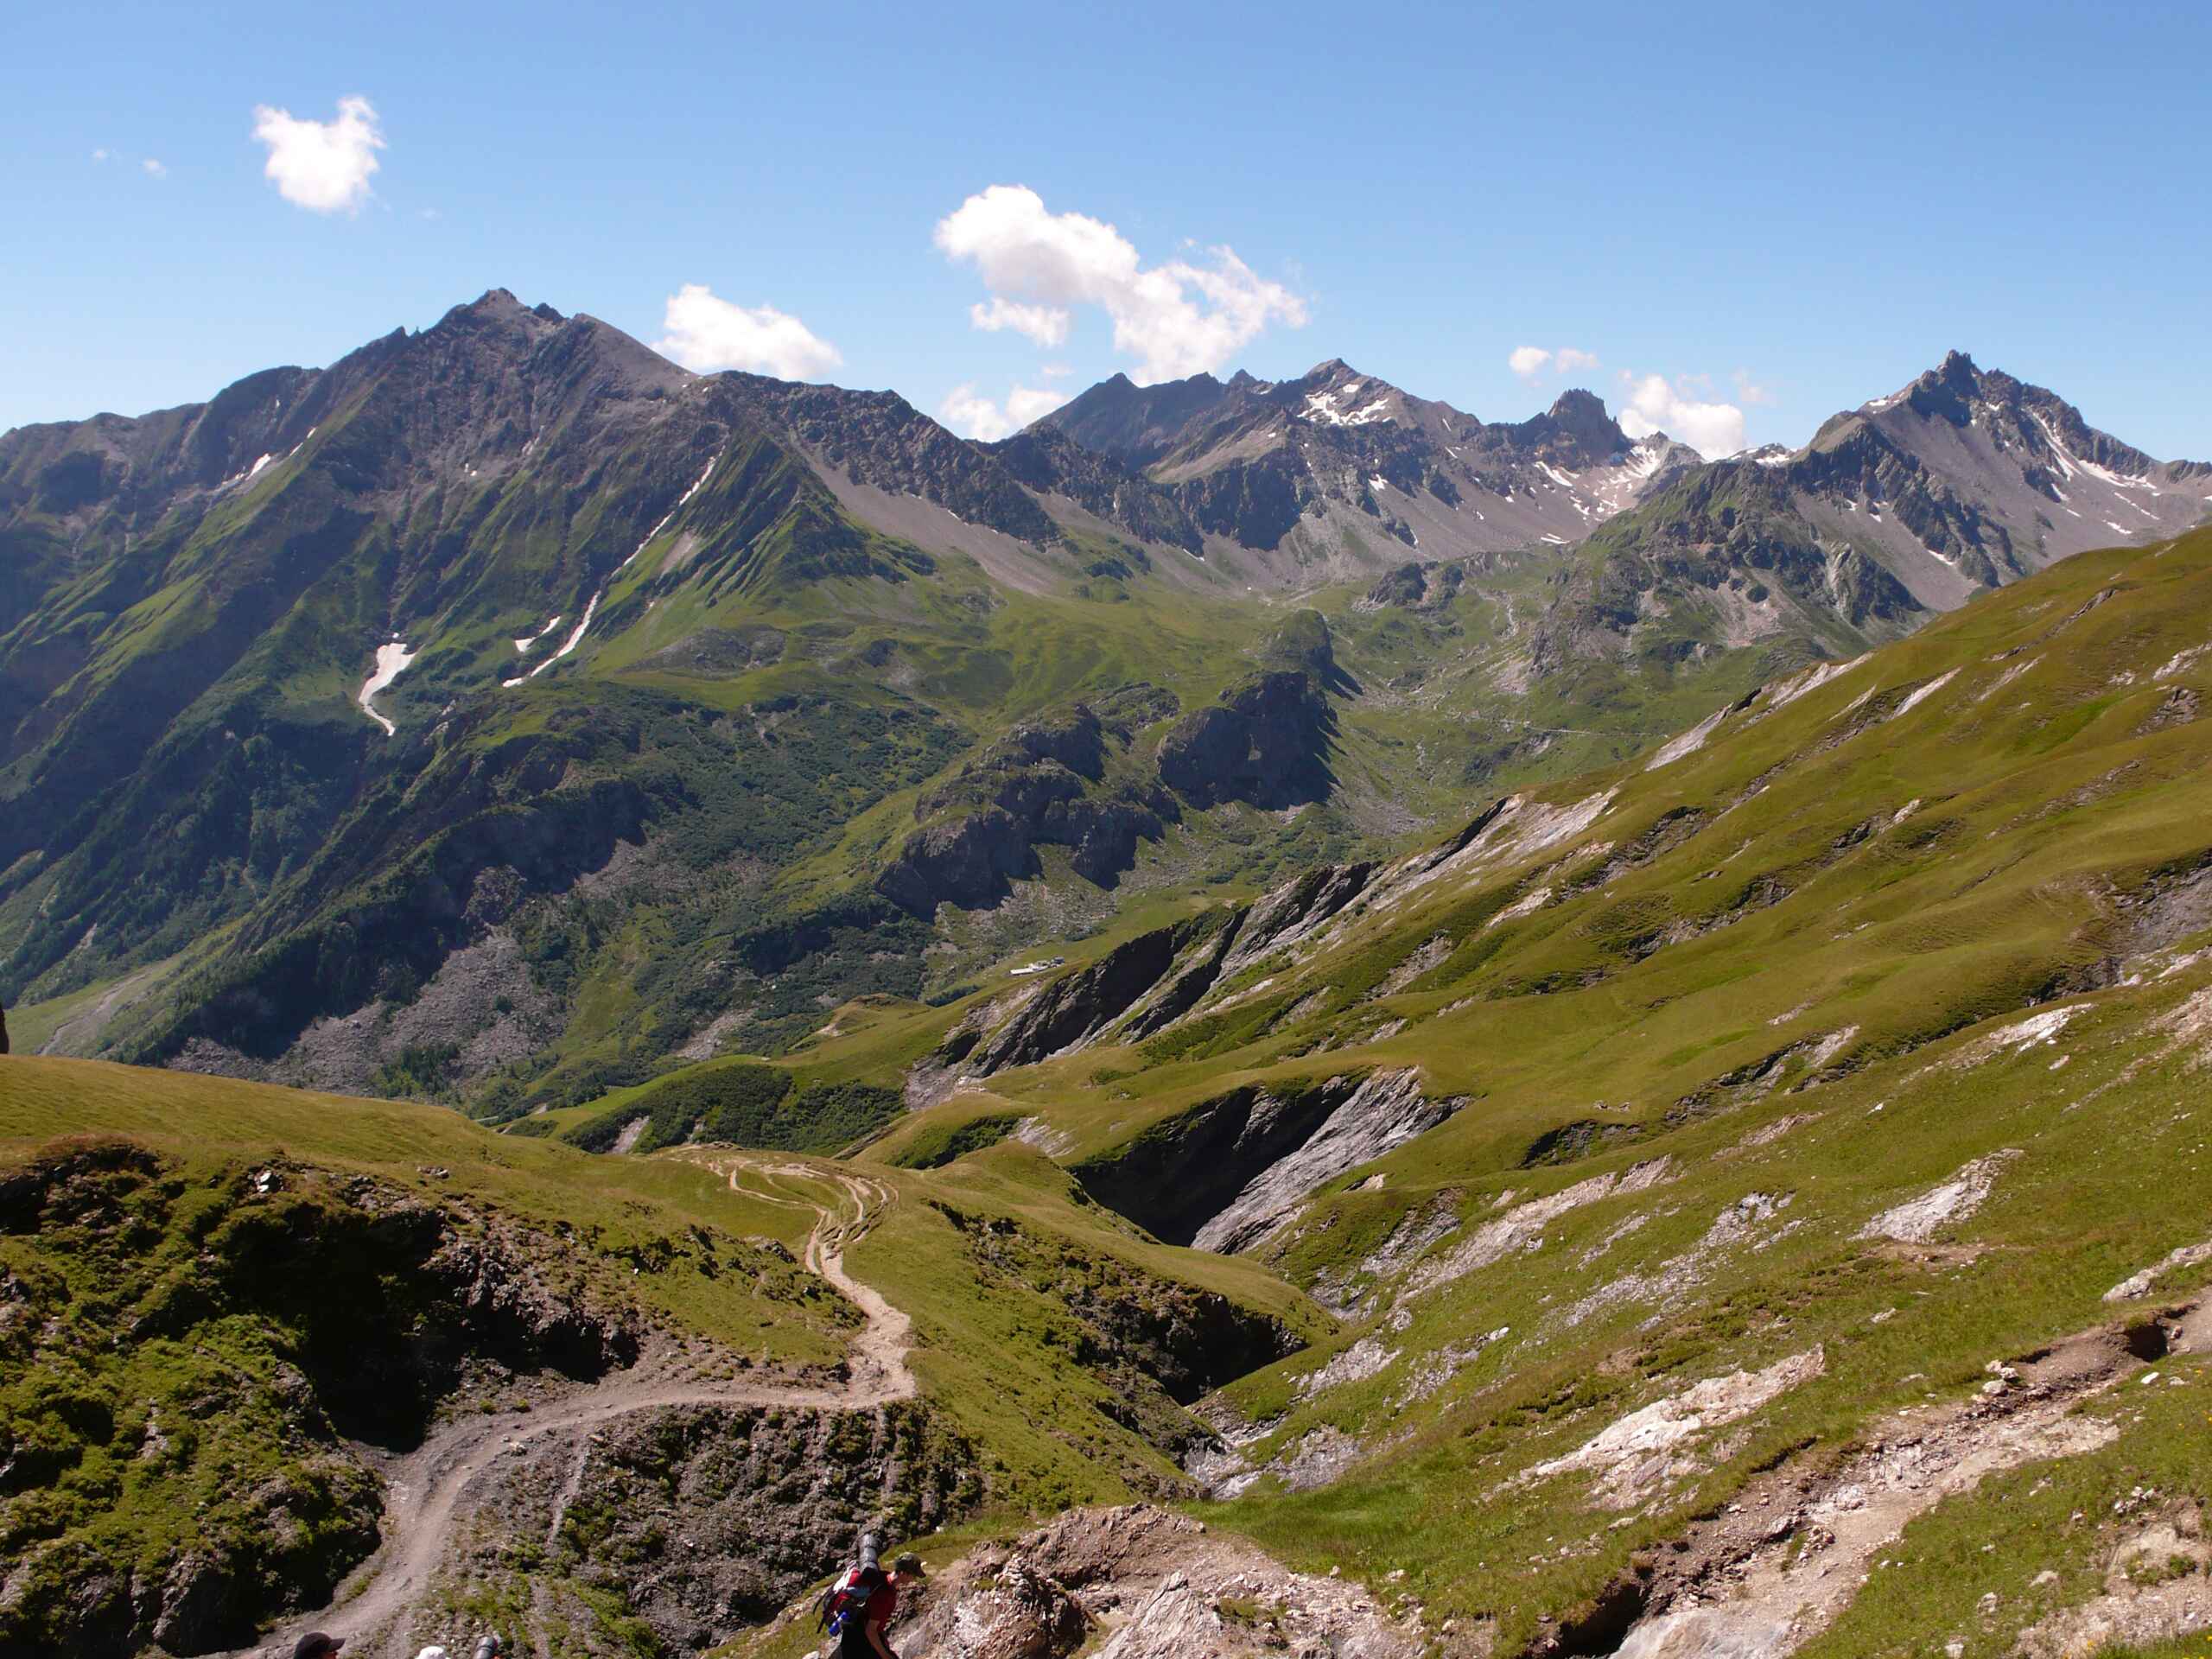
[
  {"x": 693, "y": 733},
  {"x": 1924, "y": 929}
]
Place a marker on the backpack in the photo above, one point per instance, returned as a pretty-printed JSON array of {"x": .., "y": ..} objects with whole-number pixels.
[{"x": 843, "y": 1601}]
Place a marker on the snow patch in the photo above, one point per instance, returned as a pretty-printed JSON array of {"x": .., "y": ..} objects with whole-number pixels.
[
  {"x": 525, "y": 644},
  {"x": 391, "y": 663}
]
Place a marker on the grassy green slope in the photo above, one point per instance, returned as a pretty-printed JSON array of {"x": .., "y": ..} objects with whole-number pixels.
[
  {"x": 1054, "y": 1339},
  {"x": 1943, "y": 906}
]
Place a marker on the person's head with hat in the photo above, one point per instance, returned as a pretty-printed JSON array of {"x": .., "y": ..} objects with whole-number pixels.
[{"x": 315, "y": 1645}]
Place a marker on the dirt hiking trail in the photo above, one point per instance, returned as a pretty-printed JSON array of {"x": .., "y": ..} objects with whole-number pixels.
[{"x": 424, "y": 1488}]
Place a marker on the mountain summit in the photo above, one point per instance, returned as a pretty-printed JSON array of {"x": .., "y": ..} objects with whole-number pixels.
[
  {"x": 1326, "y": 470},
  {"x": 327, "y": 706}
]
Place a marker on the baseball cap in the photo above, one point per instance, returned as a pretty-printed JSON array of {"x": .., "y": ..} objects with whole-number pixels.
[
  {"x": 315, "y": 1645},
  {"x": 911, "y": 1564}
]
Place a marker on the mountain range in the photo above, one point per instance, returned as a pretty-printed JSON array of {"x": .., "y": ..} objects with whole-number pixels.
[
  {"x": 504, "y": 713},
  {"x": 1745, "y": 1198}
]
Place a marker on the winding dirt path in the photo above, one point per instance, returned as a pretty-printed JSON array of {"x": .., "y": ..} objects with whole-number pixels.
[{"x": 424, "y": 1489}]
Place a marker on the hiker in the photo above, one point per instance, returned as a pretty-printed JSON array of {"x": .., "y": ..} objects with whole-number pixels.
[
  {"x": 315, "y": 1645},
  {"x": 860, "y": 1606}
]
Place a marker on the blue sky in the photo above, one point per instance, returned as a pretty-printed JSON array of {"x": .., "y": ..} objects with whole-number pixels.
[{"x": 1762, "y": 213}]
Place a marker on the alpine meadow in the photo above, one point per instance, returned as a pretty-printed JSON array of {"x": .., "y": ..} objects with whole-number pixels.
[{"x": 656, "y": 1007}]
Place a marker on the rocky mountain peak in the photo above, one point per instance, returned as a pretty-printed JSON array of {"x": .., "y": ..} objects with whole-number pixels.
[
  {"x": 1957, "y": 369},
  {"x": 494, "y": 307},
  {"x": 1575, "y": 431}
]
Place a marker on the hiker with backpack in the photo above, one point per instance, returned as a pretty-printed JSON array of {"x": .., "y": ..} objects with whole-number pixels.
[{"x": 859, "y": 1607}]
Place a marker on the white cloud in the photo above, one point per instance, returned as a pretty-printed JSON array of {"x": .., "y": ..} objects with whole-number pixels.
[
  {"x": 323, "y": 166},
  {"x": 706, "y": 332},
  {"x": 1655, "y": 405},
  {"x": 1176, "y": 319},
  {"x": 1056, "y": 370},
  {"x": 1046, "y": 324},
  {"x": 1529, "y": 362},
  {"x": 154, "y": 168},
  {"x": 1750, "y": 389},
  {"x": 970, "y": 414},
  {"x": 103, "y": 154}
]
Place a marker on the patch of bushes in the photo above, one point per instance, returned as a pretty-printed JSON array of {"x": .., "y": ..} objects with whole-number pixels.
[
  {"x": 748, "y": 1106},
  {"x": 935, "y": 1147},
  {"x": 728, "y": 1104}
]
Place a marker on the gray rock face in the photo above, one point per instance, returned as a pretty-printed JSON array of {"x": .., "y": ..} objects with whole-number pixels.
[
  {"x": 1416, "y": 586},
  {"x": 1267, "y": 464},
  {"x": 1265, "y": 742},
  {"x": 1962, "y": 480},
  {"x": 1082, "y": 1004},
  {"x": 1044, "y": 784},
  {"x": 1181, "y": 1172},
  {"x": 1387, "y": 1111},
  {"x": 1295, "y": 909},
  {"x": 967, "y": 861},
  {"x": 1173, "y": 1588}
]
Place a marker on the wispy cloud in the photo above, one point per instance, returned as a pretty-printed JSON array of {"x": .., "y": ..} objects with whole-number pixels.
[
  {"x": 1176, "y": 318},
  {"x": 706, "y": 331},
  {"x": 1658, "y": 404},
  {"x": 1530, "y": 362},
  {"x": 323, "y": 166},
  {"x": 1751, "y": 391},
  {"x": 1046, "y": 324},
  {"x": 154, "y": 168},
  {"x": 970, "y": 414}
]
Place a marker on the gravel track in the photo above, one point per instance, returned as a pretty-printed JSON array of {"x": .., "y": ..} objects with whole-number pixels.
[{"x": 424, "y": 1489}]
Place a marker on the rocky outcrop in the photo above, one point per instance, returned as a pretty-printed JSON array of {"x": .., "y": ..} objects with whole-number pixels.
[
  {"x": 878, "y": 438},
  {"x": 1176, "y": 1175},
  {"x": 1416, "y": 586},
  {"x": 704, "y": 1520},
  {"x": 1298, "y": 907},
  {"x": 967, "y": 861},
  {"x": 250, "y": 1333},
  {"x": 1267, "y": 742},
  {"x": 1143, "y": 1583},
  {"x": 1050, "y": 462},
  {"x": 1044, "y": 783},
  {"x": 1387, "y": 1109},
  {"x": 1080, "y": 1004}
]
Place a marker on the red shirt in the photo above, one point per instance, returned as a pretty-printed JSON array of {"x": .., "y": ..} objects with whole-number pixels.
[{"x": 882, "y": 1603}]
